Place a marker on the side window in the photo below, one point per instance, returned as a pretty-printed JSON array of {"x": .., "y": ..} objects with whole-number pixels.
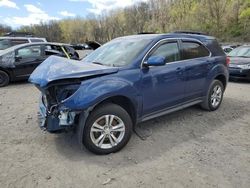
[
  {"x": 52, "y": 50},
  {"x": 31, "y": 51},
  {"x": 4, "y": 43},
  {"x": 18, "y": 41},
  {"x": 191, "y": 50},
  {"x": 169, "y": 50},
  {"x": 36, "y": 40}
]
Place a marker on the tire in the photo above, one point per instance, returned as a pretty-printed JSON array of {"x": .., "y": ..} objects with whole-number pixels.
[
  {"x": 102, "y": 137},
  {"x": 213, "y": 99},
  {"x": 4, "y": 79}
]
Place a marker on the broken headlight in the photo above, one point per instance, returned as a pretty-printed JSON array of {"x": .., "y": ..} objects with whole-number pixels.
[{"x": 62, "y": 92}]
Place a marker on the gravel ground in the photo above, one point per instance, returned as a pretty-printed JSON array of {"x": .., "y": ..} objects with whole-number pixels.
[{"x": 189, "y": 148}]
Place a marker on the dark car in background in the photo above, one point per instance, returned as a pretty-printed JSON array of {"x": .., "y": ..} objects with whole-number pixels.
[
  {"x": 18, "y": 62},
  {"x": 86, "y": 48},
  {"x": 129, "y": 80},
  {"x": 239, "y": 66}
]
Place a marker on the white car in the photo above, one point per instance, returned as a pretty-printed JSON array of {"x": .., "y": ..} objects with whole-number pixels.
[{"x": 6, "y": 42}]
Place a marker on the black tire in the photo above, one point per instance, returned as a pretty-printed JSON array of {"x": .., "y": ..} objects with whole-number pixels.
[
  {"x": 98, "y": 113},
  {"x": 4, "y": 79},
  {"x": 207, "y": 103}
]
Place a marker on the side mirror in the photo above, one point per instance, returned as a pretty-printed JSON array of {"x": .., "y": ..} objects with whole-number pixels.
[
  {"x": 18, "y": 58},
  {"x": 156, "y": 61}
]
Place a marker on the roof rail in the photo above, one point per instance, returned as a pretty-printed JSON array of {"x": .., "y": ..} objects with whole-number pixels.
[
  {"x": 147, "y": 33},
  {"x": 190, "y": 32},
  {"x": 18, "y": 34}
]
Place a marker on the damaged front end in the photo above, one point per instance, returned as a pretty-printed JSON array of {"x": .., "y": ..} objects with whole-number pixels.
[
  {"x": 61, "y": 82},
  {"x": 53, "y": 115}
]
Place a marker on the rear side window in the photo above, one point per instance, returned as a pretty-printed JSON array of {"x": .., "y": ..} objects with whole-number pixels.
[
  {"x": 36, "y": 40},
  {"x": 191, "y": 50},
  {"x": 18, "y": 41},
  {"x": 169, "y": 50}
]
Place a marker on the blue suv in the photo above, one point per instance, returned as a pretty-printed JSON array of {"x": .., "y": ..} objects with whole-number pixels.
[{"x": 127, "y": 81}]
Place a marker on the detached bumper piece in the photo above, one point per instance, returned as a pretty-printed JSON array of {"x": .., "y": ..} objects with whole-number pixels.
[{"x": 55, "y": 121}]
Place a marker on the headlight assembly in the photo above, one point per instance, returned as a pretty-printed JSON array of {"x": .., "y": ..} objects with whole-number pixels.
[{"x": 63, "y": 92}]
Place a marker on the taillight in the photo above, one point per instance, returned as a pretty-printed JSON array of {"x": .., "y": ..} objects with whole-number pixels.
[{"x": 228, "y": 61}]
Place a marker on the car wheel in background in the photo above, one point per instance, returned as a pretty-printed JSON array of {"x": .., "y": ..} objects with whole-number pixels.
[
  {"x": 107, "y": 129},
  {"x": 214, "y": 96},
  {"x": 4, "y": 79}
]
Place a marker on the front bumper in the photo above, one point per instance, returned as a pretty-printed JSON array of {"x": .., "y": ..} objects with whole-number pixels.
[
  {"x": 56, "y": 119},
  {"x": 239, "y": 73}
]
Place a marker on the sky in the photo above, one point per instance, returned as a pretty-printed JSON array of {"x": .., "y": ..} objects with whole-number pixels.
[{"x": 16, "y": 13}]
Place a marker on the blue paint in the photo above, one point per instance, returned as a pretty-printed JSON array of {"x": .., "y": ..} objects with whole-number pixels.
[{"x": 149, "y": 88}]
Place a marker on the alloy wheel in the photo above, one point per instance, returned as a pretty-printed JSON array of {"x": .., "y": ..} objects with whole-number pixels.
[
  {"x": 216, "y": 96},
  {"x": 107, "y": 131}
]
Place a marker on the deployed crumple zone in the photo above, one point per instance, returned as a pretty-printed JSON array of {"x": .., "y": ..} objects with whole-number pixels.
[{"x": 127, "y": 81}]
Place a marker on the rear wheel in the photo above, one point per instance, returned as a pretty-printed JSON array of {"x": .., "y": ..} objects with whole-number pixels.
[
  {"x": 107, "y": 129},
  {"x": 4, "y": 79},
  {"x": 214, "y": 96}
]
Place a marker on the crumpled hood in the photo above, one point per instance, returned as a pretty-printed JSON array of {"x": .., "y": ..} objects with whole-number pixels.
[
  {"x": 57, "y": 68},
  {"x": 239, "y": 60}
]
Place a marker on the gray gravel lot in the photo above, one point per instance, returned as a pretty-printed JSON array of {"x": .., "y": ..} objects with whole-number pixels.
[{"x": 189, "y": 148}]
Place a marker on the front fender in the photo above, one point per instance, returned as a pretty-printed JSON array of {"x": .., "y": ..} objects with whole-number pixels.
[{"x": 94, "y": 91}]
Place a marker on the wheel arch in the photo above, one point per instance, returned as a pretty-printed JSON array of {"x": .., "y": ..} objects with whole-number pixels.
[
  {"x": 122, "y": 101},
  {"x": 7, "y": 72},
  {"x": 222, "y": 78}
]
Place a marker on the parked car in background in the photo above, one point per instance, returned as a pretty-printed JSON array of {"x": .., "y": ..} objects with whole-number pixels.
[
  {"x": 129, "y": 80},
  {"x": 239, "y": 67},
  {"x": 90, "y": 45},
  {"x": 8, "y": 41},
  {"x": 86, "y": 48},
  {"x": 227, "y": 49},
  {"x": 18, "y": 62}
]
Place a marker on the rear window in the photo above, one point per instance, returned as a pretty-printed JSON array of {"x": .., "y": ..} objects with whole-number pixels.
[{"x": 191, "y": 50}]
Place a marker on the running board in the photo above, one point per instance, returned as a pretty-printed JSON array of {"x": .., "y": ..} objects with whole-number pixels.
[{"x": 170, "y": 110}]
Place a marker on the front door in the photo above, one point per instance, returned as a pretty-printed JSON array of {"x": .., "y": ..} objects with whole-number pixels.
[
  {"x": 163, "y": 86},
  {"x": 27, "y": 59}
]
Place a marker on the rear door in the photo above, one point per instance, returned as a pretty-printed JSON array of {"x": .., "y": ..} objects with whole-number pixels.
[
  {"x": 197, "y": 60},
  {"x": 27, "y": 59}
]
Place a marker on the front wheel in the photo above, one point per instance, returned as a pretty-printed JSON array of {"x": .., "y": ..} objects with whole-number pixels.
[
  {"x": 4, "y": 79},
  {"x": 107, "y": 129},
  {"x": 214, "y": 96}
]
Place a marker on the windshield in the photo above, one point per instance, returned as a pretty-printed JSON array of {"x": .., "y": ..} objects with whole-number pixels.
[
  {"x": 240, "y": 52},
  {"x": 118, "y": 53},
  {"x": 4, "y": 43}
]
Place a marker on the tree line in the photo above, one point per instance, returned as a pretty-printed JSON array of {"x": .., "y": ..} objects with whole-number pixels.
[{"x": 228, "y": 20}]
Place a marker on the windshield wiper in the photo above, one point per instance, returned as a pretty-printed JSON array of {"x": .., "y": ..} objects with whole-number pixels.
[{"x": 98, "y": 63}]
